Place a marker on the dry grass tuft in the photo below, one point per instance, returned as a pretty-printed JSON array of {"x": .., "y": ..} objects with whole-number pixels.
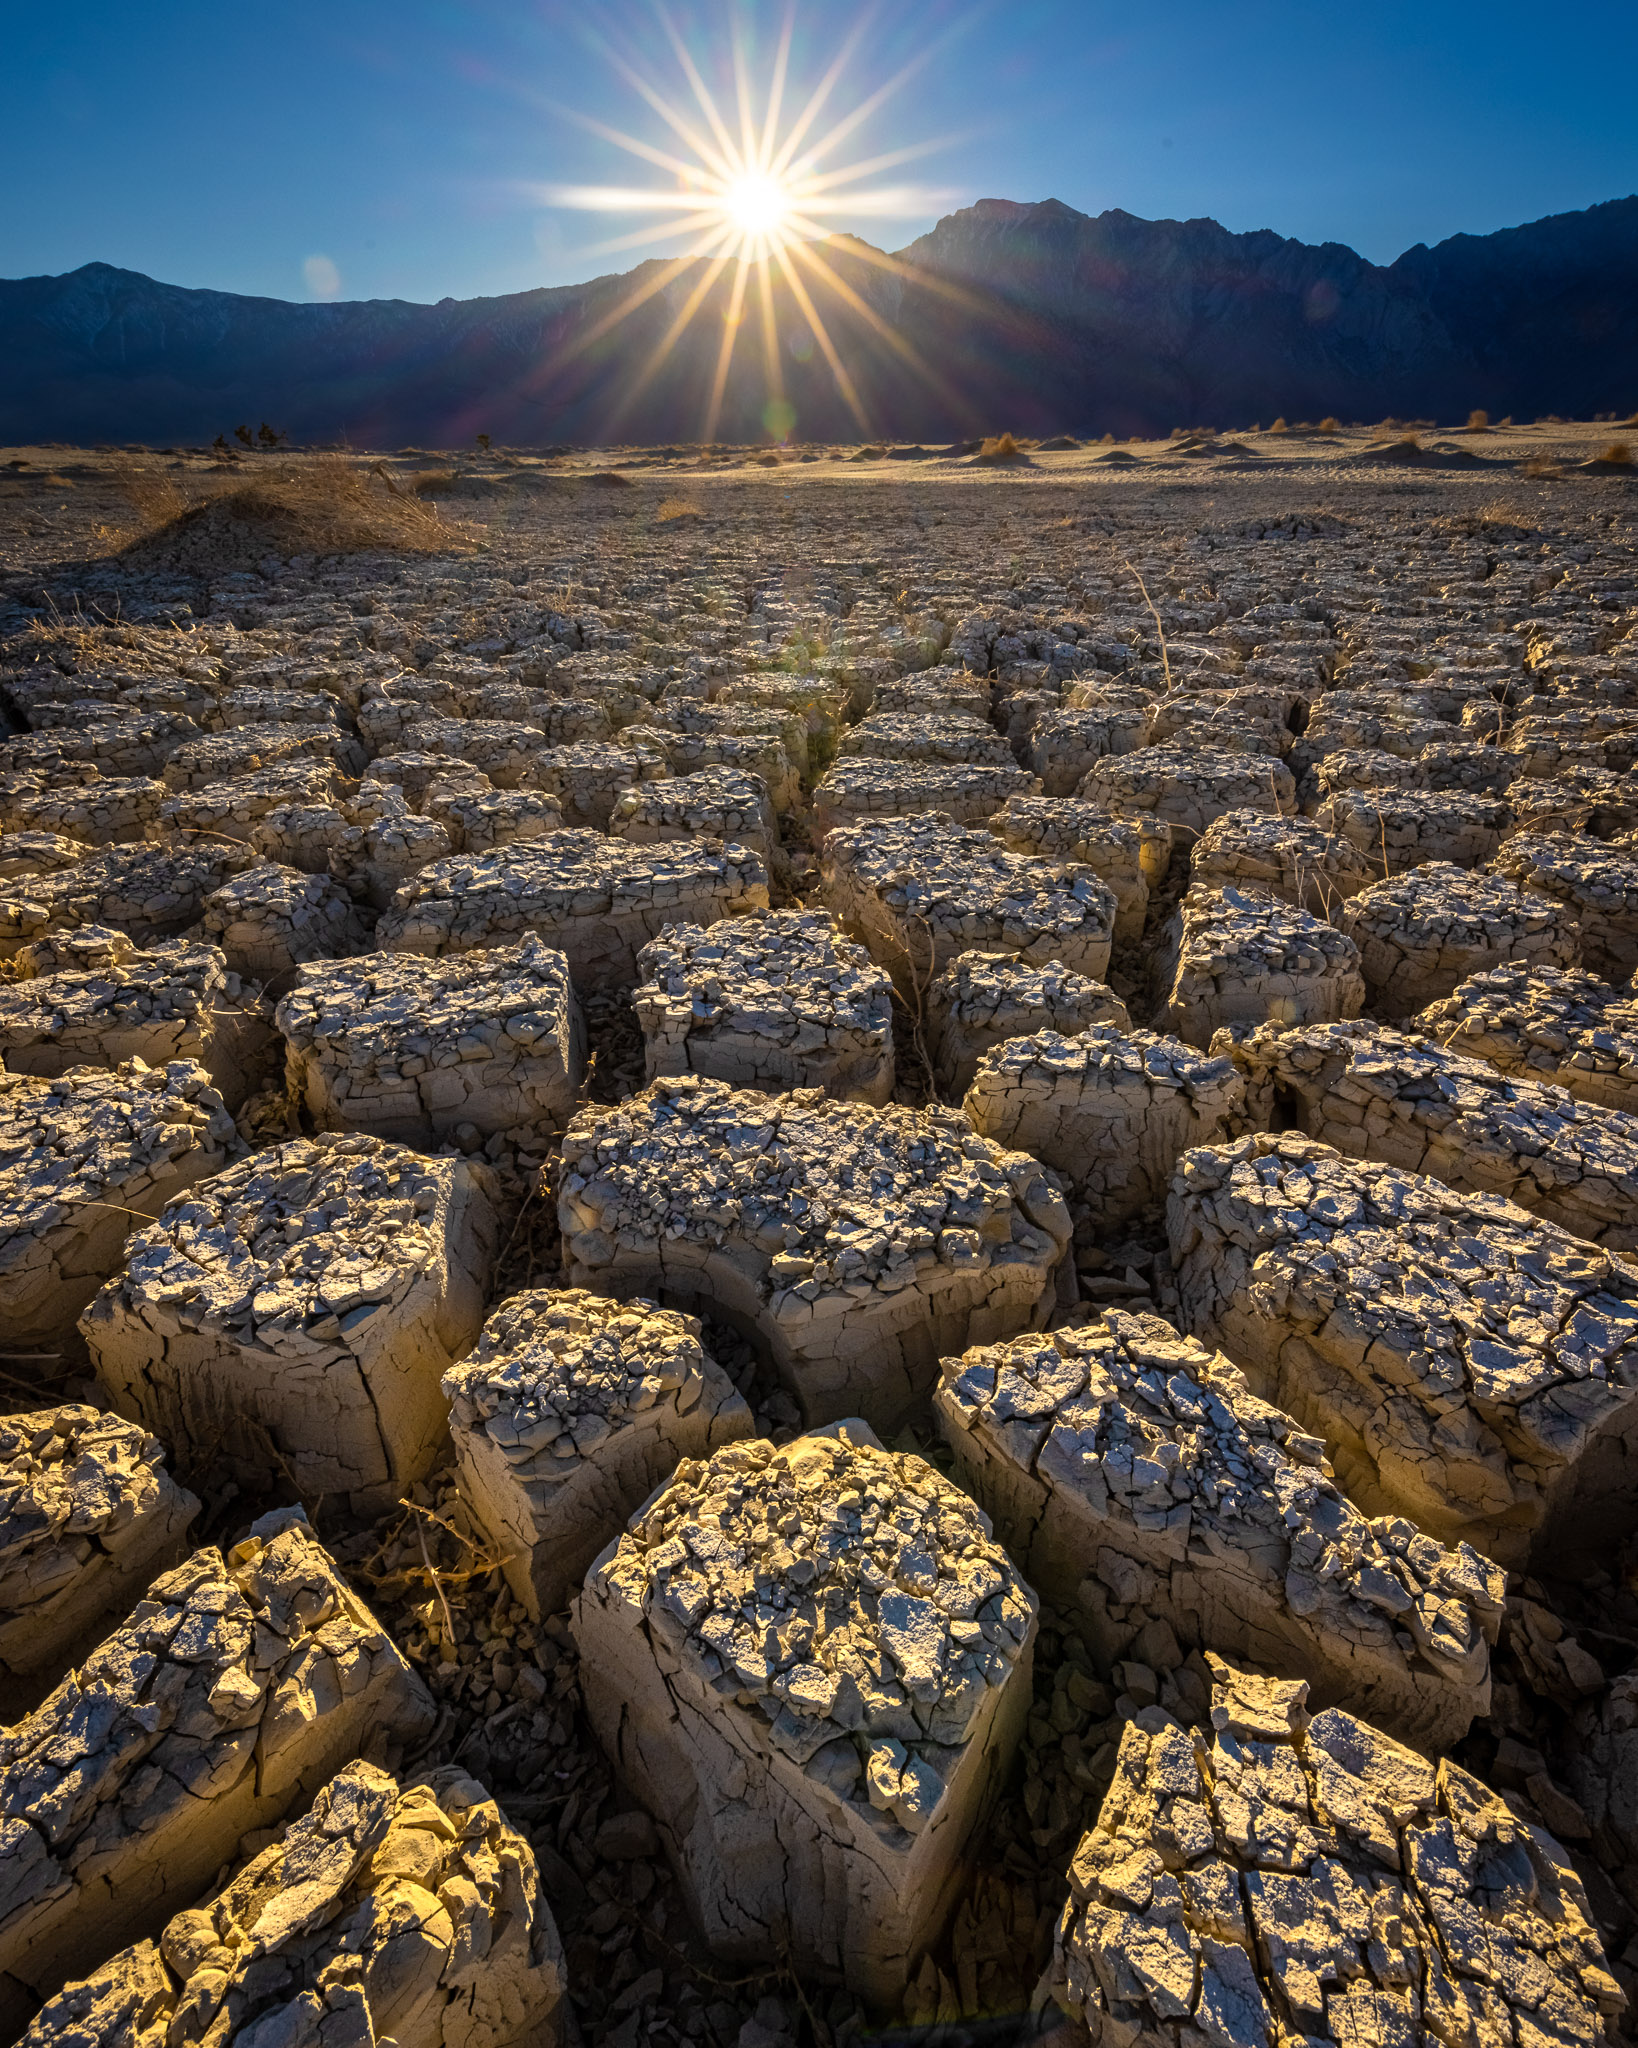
[
  {"x": 1279, "y": 426},
  {"x": 1330, "y": 424},
  {"x": 1618, "y": 454},
  {"x": 1541, "y": 465},
  {"x": 326, "y": 506},
  {"x": 679, "y": 508},
  {"x": 1478, "y": 421},
  {"x": 999, "y": 448}
]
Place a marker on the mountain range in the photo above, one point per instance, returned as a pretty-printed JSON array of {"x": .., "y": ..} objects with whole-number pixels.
[{"x": 1033, "y": 318}]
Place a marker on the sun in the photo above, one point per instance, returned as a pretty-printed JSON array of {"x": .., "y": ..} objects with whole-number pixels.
[
  {"x": 758, "y": 204},
  {"x": 756, "y": 196}
]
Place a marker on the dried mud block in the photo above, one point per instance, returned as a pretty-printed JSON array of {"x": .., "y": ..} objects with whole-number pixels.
[
  {"x": 777, "y": 1000},
  {"x": 1358, "y": 768},
  {"x": 114, "y": 743},
  {"x": 600, "y": 900},
  {"x": 419, "y": 777},
  {"x": 938, "y": 689},
  {"x": 88, "y": 1515},
  {"x": 820, "y": 707},
  {"x": 1135, "y": 1476},
  {"x": 507, "y": 752},
  {"x": 662, "y": 754},
  {"x": 812, "y": 1666},
  {"x": 478, "y": 820},
  {"x": 37, "y": 853},
  {"x": 1112, "y": 1109},
  {"x": 412, "y": 1915},
  {"x": 950, "y": 738},
  {"x": 106, "y": 812},
  {"x": 1400, "y": 829},
  {"x": 290, "y": 1319},
  {"x": 248, "y": 750},
  {"x": 1421, "y": 934},
  {"x": 860, "y": 788},
  {"x": 1594, "y": 800},
  {"x": 1596, "y": 885},
  {"x": 1580, "y": 735},
  {"x": 1336, "y": 727},
  {"x": 854, "y": 1244},
  {"x": 1375, "y": 1094},
  {"x": 1290, "y": 857},
  {"x": 147, "y": 892},
  {"x": 87, "y": 1157},
  {"x": 715, "y": 803},
  {"x": 25, "y": 915},
  {"x": 1467, "y": 1365},
  {"x": 229, "y": 808},
  {"x": 569, "y": 1413},
  {"x": 1187, "y": 786},
  {"x": 982, "y": 999},
  {"x": 1468, "y": 766},
  {"x": 918, "y": 891},
  {"x": 270, "y": 919},
  {"x": 1063, "y": 745},
  {"x": 176, "y": 1002},
  {"x": 414, "y": 1049},
  {"x": 1232, "y": 959},
  {"x": 1277, "y": 1877},
  {"x": 1127, "y": 855},
  {"x": 232, "y": 1691},
  {"x": 375, "y": 856},
  {"x": 586, "y": 780},
  {"x": 1555, "y": 1024}
]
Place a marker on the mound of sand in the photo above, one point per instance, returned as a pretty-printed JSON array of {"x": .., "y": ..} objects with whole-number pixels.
[{"x": 324, "y": 507}]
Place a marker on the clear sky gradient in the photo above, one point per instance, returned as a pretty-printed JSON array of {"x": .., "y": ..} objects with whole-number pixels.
[{"x": 399, "y": 148}]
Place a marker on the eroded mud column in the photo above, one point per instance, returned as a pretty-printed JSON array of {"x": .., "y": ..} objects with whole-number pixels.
[
  {"x": 289, "y": 1323},
  {"x": 811, "y": 1665},
  {"x": 1135, "y": 1476},
  {"x": 569, "y": 1412},
  {"x": 853, "y": 1244}
]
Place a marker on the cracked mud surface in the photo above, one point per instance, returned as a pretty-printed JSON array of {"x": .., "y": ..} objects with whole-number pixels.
[{"x": 330, "y": 885}]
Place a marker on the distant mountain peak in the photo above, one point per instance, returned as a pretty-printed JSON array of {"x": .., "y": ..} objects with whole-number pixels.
[{"x": 1021, "y": 314}]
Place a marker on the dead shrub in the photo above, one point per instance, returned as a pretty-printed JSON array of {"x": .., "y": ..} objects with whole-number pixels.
[
  {"x": 1279, "y": 426},
  {"x": 327, "y": 506},
  {"x": 679, "y": 508},
  {"x": 1617, "y": 453},
  {"x": 997, "y": 449},
  {"x": 1330, "y": 425},
  {"x": 1478, "y": 421}
]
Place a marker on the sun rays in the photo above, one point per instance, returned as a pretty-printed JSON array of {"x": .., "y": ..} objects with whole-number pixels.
[{"x": 758, "y": 195}]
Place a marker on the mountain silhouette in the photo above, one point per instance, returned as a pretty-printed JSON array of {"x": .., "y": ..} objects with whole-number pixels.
[{"x": 1031, "y": 317}]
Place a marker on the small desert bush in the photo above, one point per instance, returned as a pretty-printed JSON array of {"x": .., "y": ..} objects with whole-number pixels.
[
  {"x": 998, "y": 449},
  {"x": 1478, "y": 420},
  {"x": 1617, "y": 451},
  {"x": 1279, "y": 426},
  {"x": 325, "y": 506},
  {"x": 432, "y": 483},
  {"x": 1330, "y": 425},
  {"x": 1540, "y": 465},
  {"x": 679, "y": 508}
]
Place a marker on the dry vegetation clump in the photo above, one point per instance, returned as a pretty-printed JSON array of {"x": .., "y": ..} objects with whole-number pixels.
[
  {"x": 679, "y": 508},
  {"x": 326, "y": 506},
  {"x": 996, "y": 449},
  {"x": 1615, "y": 455},
  {"x": 1279, "y": 426},
  {"x": 1478, "y": 421}
]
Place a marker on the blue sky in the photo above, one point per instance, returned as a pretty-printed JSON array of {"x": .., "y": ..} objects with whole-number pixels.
[{"x": 399, "y": 148}]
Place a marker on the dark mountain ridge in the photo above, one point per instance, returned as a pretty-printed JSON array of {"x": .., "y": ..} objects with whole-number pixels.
[{"x": 1034, "y": 317}]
